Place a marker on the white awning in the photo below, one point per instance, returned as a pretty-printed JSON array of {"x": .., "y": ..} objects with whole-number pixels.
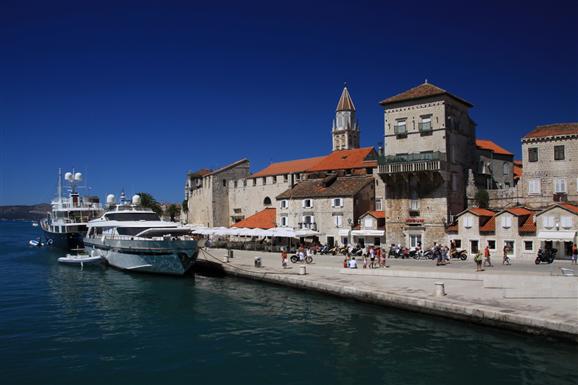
[
  {"x": 557, "y": 235},
  {"x": 368, "y": 233},
  {"x": 344, "y": 232}
]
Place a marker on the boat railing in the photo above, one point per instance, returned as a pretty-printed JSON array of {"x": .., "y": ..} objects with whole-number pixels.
[
  {"x": 135, "y": 238},
  {"x": 78, "y": 205}
]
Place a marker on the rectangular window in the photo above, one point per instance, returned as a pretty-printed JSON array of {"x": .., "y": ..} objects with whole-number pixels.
[
  {"x": 337, "y": 202},
  {"x": 307, "y": 203},
  {"x": 534, "y": 186},
  {"x": 468, "y": 221},
  {"x": 414, "y": 240},
  {"x": 274, "y": 179},
  {"x": 528, "y": 246},
  {"x": 548, "y": 221},
  {"x": 338, "y": 220},
  {"x": 558, "y": 152},
  {"x": 506, "y": 221},
  {"x": 425, "y": 124},
  {"x": 285, "y": 177},
  {"x": 458, "y": 243},
  {"x": 474, "y": 247},
  {"x": 454, "y": 182},
  {"x": 400, "y": 127},
  {"x": 224, "y": 183},
  {"x": 254, "y": 182},
  {"x": 368, "y": 222},
  {"x": 284, "y": 221},
  {"x": 566, "y": 221},
  {"x": 492, "y": 244},
  {"x": 244, "y": 182},
  {"x": 264, "y": 180},
  {"x": 533, "y": 154},
  {"x": 506, "y": 168},
  {"x": 560, "y": 185},
  {"x": 235, "y": 184},
  {"x": 378, "y": 204},
  {"x": 284, "y": 204}
]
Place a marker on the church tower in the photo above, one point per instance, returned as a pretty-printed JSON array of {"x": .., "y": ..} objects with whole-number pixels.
[{"x": 345, "y": 126}]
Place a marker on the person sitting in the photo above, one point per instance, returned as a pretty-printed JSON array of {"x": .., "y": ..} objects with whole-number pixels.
[{"x": 352, "y": 263}]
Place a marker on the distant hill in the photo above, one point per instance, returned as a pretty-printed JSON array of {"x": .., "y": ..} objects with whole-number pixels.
[{"x": 24, "y": 212}]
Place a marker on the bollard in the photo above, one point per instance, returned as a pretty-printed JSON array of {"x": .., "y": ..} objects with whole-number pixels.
[
  {"x": 257, "y": 261},
  {"x": 440, "y": 290},
  {"x": 302, "y": 270},
  {"x": 226, "y": 259}
]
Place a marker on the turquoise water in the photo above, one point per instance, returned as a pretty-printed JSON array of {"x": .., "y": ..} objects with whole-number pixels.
[{"x": 61, "y": 325}]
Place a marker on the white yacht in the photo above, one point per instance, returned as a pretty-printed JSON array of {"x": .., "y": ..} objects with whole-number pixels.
[
  {"x": 133, "y": 238},
  {"x": 65, "y": 225}
]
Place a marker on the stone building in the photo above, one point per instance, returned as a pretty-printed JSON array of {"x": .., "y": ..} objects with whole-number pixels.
[
  {"x": 557, "y": 227},
  {"x": 345, "y": 125},
  {"x": 515, "y": 227},
  {"x": 429, "y": 148},
  {"x": 207, "y": 194},
  {"x": 550, "y": 164},
  {"x": 331, "y": 205},
  {"x": 495, "y": 166},
  {"x": 371, "y": 229}
]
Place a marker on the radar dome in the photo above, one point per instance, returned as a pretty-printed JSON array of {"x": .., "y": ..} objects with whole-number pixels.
[
  {"x": 68, "y": 176},
  {"x": 110, "y": 199},
  {"x": 78, "y": 176},
  {"x": 136, "y": 200}
]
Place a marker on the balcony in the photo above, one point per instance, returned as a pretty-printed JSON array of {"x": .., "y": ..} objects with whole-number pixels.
[
  {"x": 410, "y": 163},
  {"x": 308, "y": 226}
]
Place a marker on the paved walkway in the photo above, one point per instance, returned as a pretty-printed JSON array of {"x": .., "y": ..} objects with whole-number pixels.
[{"x": 537, "y": 297}]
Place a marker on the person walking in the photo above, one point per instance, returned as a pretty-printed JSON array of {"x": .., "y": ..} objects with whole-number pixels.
[
  {"x": 506, "y": 260},
  {"x": 487, "y": 260},
  {"x": 371, "y": 258},
  {"x": 478, "y": 261},
  {"x": 574, "y": 253},
  {"x": 284, "y": 258}
]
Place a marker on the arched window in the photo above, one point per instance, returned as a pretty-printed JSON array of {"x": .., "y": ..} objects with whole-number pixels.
[{"x": 267, "y": 201}]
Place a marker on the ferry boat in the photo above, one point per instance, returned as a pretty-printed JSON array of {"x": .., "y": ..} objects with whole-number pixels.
[
  {"x": 134, "y": 238},
  {"x": 65, "y": 226}
]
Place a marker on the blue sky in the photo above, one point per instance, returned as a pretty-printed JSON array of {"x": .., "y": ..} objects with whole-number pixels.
[{"x": 135, "y": 94}]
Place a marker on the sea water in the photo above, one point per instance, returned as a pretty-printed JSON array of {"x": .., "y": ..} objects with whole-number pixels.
[{"x": 63, "y": 325}]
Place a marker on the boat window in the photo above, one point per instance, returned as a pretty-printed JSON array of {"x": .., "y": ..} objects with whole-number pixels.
[
  {"x": 132, "y": 217},
  {"x": 129, "y": 230}
]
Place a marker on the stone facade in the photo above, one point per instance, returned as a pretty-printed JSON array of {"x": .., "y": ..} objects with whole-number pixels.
[
  {"x": 550, "y": 165},
  {"x": 207, "y": 194},
  {"x": 345, "y": 131},
  {"x": 557, "y": 227},
  {"x": 429, "y": 148}
]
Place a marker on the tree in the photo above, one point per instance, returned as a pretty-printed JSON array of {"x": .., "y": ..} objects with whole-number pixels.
[
  {"x": 185, "y": 206},
  {"x": 482, "y": 199},
  {"x": 173, "y": 210},
  {"x": 148, "y": 201}
]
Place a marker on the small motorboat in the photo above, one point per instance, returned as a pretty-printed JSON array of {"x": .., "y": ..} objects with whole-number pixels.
[
  {"x": 34, "y": 224},
  {"x": 81, "y": 259},
  {"x": 35, "y": 243}
]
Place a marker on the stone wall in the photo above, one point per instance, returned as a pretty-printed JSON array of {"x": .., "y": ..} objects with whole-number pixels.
[{"x": 247, "y": 196}]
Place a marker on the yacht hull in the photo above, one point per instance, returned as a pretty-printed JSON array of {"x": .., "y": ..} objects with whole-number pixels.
[
  {"x": 64, "y": 241},
  {"x": 173, "y": 257}
]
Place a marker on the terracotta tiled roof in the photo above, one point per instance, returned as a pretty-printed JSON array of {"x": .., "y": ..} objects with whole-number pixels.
[
  {"x": 489, "y": 226},
  {"x": 480, "y": 212},
  {"x": 553, "y": 130},
  {"x": 528, "y": 225},
  {"x": 200, "y": 173},
  {"x": 422, "y": 91},
  {"x": 452, "y": 228},
  {"x": 346, "y": 186},
  {"x": 376, "y": 214},
  {"x": 346, "y": 159},
  {"x": 519, "y": 211},
  {"x": 288, "y": 167},
  {"x": 518, "y": 170},
  {"x": 569, "y": 207},
  {"x": 345, "y": 103},
  {"x": 264, "y": 219},
  {"x": 484, "y": 144}
]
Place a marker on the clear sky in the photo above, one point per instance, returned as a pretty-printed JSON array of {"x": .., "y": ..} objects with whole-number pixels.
[{"x": 135, "y": 94}]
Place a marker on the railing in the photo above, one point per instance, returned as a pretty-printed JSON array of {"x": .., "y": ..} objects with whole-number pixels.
[
  {"x": 309, "y": 226},
  {"x": 418, "y": 162}
]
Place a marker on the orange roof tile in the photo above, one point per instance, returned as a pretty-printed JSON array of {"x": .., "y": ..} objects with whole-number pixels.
[
  {"x": 484, "y": 144},
  {"x": 345, "y": 103},
  {"x": 481, "y": 212},
  {"x": 489, "y": 226},
  {"x": 376, "y": 214},
  {"x": 528, "y": 226},
  {"x": 264, "y": 219},
  {"x": 346, "y": 159},
  {"x": 518, "y": 171},
  {"x": 422, "y": 91},
  {"x": 519, "y": 211},
  {"x": 553, "y": 130},
  {"x": 518, "y": 162},
  {"x": 569, "y": 207},
  {"x": 288, "y": 167},
  {"x": 452, "y": 228}
]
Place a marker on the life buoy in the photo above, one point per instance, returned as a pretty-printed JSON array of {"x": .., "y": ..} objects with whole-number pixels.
[{"x": 49, "y": 242}]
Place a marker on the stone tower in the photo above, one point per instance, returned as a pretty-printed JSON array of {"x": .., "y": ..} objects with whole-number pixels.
[{"x": 345, "y": 126}]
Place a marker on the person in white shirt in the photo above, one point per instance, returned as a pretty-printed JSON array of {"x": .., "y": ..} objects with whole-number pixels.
[{"x": 352, "y": 263}]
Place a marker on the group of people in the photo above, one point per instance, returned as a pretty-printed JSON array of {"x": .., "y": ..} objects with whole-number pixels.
[
  {"x": 486, "y": 261},
  {"x": 374, "y": 257}
]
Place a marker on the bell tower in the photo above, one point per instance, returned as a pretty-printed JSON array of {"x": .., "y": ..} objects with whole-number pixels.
[{"x": 345, "y": 126}]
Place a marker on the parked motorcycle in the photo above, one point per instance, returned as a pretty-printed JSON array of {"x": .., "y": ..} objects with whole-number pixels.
[
  {"x": 295, "y": 259},
  {"x": 547, "y": 256},
  {"x": 395, "y": 252},
  {"x": 459, "y": 254}
]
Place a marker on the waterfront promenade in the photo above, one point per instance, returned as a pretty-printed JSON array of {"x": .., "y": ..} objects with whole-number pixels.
[{"x": 523, "y": 297}]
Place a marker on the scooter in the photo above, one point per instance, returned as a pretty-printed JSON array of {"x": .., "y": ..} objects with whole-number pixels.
[
  {"x": 459, "y": 254},
  {"x": 547, "y": 255},
  {"x": 295, "y": 259}
]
